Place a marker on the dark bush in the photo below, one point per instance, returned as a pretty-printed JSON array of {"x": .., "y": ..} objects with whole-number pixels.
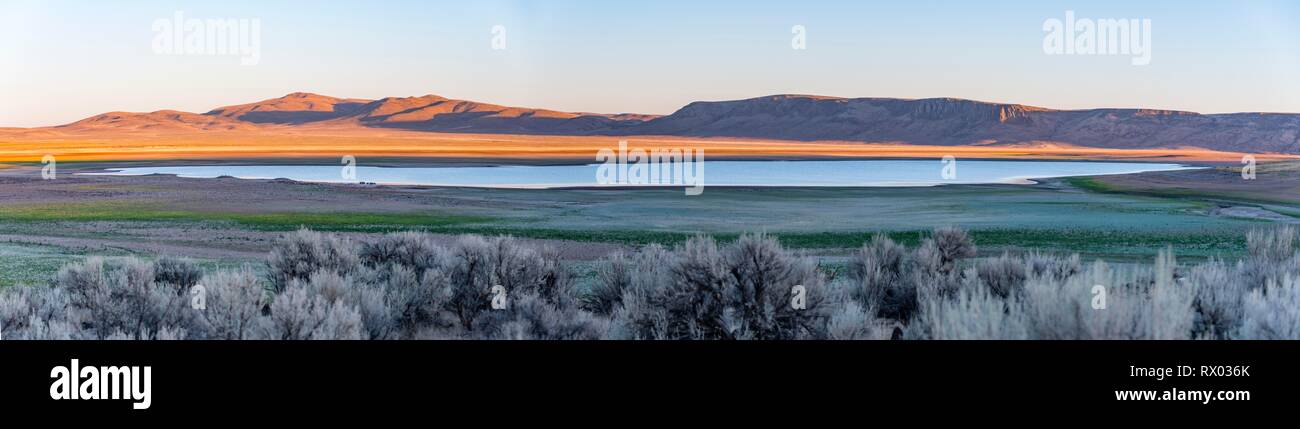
[
  {"x": 878, "y": 280},
  {"x": 178, "y": 273},
  {"x": 762, "y": 286},
  {"x": 413, "y": 250},
  {"x": 300, "y": 254},
  {"x": 1003, "y": 276},
  {"x": 745, "y": 291}
]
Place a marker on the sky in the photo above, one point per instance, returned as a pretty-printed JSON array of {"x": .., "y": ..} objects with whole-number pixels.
[{"x": 61, "y": 61}]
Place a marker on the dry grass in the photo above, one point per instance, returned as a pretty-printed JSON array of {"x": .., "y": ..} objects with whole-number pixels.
[{"x": 31, "y": 145}]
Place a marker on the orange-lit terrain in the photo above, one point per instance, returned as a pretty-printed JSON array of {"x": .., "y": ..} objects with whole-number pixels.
[
  {"x": 304, "y": 125},
  {"x": 32, "y": 145}
]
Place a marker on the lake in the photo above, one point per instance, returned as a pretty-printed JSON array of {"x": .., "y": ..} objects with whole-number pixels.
[{"x": 848, "y": 173}]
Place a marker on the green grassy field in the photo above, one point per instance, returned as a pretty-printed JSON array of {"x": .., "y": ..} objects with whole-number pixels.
[
  {"x": 31, "y": 264},
  {"x": 1121, "y": 237},
  {"x": 122, "y": 211}
]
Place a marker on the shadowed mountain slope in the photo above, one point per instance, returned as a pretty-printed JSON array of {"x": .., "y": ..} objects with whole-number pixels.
[{"x": 936, "y": 121}]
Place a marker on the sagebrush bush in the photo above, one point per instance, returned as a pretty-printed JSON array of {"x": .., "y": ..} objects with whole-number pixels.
[
  {"x": 302, "y": 253},
  {"x": 299, "y": 313},
  {"x": 122, "y": 300},
  {"x": 1003, "y": 276},
  {"x": 694, "y": 298},
  {"x": 421, "y": 287},
  {"x": 1051, "y": 266},
  {"x": 613, "y": 278},
  {"x": 470, "y": 279},
  {"x": 233, "y": 305},
  {"x": 179, "y": 273},
  {"x": 1100, "y": 303},
  {"x": 934, "y": 265},
  {"x": 1219, "y": 294},
  {"x": 638, "y": 313},
  {"x": 1272, "y": 313},
  {"x": 318, "y": 286},
  {"x": 951, "y": 244},
  {"x": 682, "y": 299},
  {"x": 878, "y": 281},
  {"x": 850, "y": 321},
  {"x": 887, "y": 277},
  {"x": 531, "y": 317},
  {"x": 775, "y": 294},
  {"x": 973, "y": 314},
  {"x": 407, "y": 285},
  {"x": 413, "y": 250},
  {"x": 412, "y": 302},
  {"x": 1272, "y": 255},
  {"x": 37, "y": 313},
  {"x": 1134, "y": 307},
  {"x": 751, "y": 289},
  {"x": 1274, "y": 245}
]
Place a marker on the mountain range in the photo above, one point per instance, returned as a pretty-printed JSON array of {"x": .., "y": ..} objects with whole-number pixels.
[{"x": 934, "y": 121}]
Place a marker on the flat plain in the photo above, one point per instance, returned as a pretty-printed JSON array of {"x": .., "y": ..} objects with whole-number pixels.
[{"x": 230, "y": 222}]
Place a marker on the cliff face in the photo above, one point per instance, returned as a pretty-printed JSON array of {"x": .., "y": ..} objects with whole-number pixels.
[{"x": 946, "y": 121}]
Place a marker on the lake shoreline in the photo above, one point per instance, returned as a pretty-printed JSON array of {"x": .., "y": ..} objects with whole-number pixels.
[{"x": 720, "y": 173}]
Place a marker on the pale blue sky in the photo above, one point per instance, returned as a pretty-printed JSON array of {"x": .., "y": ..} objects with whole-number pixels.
[{"x": 65, "y": 60}]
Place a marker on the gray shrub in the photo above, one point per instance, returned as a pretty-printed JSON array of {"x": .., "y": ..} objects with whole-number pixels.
[
  {"x": 850, "y": 321},
  {"x": 1272, "y": 313},
  {"x": 972, "y": 314},
  {"x": 531, "y": 317},
  {"x": 301, "y": 312},
  {"x": 761, "y": 291},
  {"x": 233, "y": 305},
  {"x": 613, "y": 279},
  {"x": 176, "y": 272},
  {"x": 413, "y": 250},
  {"x": 751, "y": 289},
  {"x": 37, "y": 313},
  {"x": 1003, "y": 275},
  {"x": 406, "y": 285},
  {"x": 302, "y": 253},
  {"x": 1219, "y": 295},
  {"x": 122, "y": 299},
  {"x": 1272, "y": 255},
  {"x": 878, "y": 279}
]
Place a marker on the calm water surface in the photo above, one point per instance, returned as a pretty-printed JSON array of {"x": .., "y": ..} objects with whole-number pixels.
[{"x": 865, "y": 173}]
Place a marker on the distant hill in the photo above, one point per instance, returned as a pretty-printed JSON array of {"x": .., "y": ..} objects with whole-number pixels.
[
  {"x": 160, "y": 121},
  {"x": 948, "y": 121},
  {"x": 936, "y": 121},
  {"x": 295, "y": 109},
  {"x": 426, "y": 113}
]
